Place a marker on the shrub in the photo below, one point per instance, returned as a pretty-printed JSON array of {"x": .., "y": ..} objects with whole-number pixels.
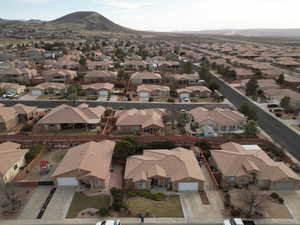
[
  {"x": 158, "y": 196},
  {"x": 131, "y": 193},
  {"x": 27, "y": 128},
  {"x": 227, "y": 200},
  {"x": 103, "y": 212},
  {"x": 281, "y": 200},
  {"x": 236, "y": 212},
  {"x": 117, "y": 206},
  {"x": 171, "y": 100},
  {"x": 274, "y": 195}
]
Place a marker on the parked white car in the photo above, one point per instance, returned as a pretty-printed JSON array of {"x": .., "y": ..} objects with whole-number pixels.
[{"x": 109, "y": 222}]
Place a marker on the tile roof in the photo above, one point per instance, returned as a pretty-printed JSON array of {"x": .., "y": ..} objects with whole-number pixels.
[
  {"x": 234, "y": 160},
  {"x": 177, "y": 164},
  {"x": 142, "y": 117},
  {"x": 10, "y": 153},
  {"x": 93, "y": 157},
  {"x": 68, "y": 114}
]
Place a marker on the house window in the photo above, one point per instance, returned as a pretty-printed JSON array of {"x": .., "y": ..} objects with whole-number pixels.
[
  {"x": 15, "y": 167},
  {"x": 141, "y": 185},
  {"x": 98, "y": 182}
]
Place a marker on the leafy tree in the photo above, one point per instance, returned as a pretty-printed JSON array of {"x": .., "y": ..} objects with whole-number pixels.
[
  {"x": 204, "y": 145},
  {"x": 82, "y": 61},
  {"x": 33, "y": 152},
  {"x": 183, "y": 119},
  {"x": 122, "y": 75},
  {"x": 252, "y": 87},
  {"x": 213, "y": 86},
  {"x": 159, "y": 145},
  {"x": 285, "y": 102},
  {"x": 123, "y": 149},
  {"x": 251, "y": 128},
  {"x": 280, "y": 79},
  {"x": 120, "y": 54},
  {"x": 74, "y": 90},
  {"x": 187, "y": 67},
  {"x": 249, "y": 112}
]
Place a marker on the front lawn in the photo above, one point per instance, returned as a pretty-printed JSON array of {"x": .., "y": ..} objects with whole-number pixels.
[
  {"x": 168, "y": 208},
  {"x": 80, "y": 202}
]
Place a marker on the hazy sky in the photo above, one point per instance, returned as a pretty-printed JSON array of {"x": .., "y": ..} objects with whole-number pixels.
[{"x": 167, "y": 15}]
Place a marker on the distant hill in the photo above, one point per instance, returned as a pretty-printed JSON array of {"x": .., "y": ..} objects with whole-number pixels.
[
  {"x": 251, "y": 32},
  {"x": 77, "y": 21},
  {"x": 89, "y": 21}
]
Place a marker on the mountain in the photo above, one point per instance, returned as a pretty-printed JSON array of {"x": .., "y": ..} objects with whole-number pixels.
[
  {"x": 85, "y": 20},
  {"x": 251, "y": 32},
  {"x": 77, "y": 21}
]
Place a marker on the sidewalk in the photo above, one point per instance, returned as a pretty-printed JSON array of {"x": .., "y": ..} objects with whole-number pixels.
[{"x": 147, "y": 221}]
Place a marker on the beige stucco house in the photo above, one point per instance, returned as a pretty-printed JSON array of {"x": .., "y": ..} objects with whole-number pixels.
[{"x": 176, "y": 170}]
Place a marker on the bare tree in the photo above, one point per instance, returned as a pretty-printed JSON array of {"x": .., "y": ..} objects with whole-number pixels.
[
  {"x": 253, "y": 201},
  {"x": 11, "y": 203}
]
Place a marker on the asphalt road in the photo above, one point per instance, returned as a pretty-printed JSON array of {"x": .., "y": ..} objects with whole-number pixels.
[
  {"x": 123, "y": 105},
  {"x": 281, "y": 133}
]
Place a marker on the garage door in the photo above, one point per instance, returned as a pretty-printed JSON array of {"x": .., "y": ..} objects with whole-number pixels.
[
  {"x": 144, "y": 94},
  {"x": 285, "y": 186},
  {"x": 67, "y": 181},
  {"x": 189, "y": 186},
  {"x": 103, "y": 93},
  {"x": 184, "y": 95},
  {"x": 36, "y": 92}
]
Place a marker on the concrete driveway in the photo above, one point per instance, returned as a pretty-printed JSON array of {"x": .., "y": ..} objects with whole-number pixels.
[
  {"x": 292, "y": 202},
  {"x": 191, "y": 204},
  {"x": 59, "y": 205},
  {"x": 32, "y": 208}
]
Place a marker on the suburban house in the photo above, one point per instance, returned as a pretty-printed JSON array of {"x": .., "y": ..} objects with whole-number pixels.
[
  {"x": 219, "y": 120},
  {"x": 168, "y": 66},
  {"x": 194, "y": 91},
  {"x": 145, "y": 78},
  {"x": 67, "y": 62},
  {"x": 8, "y": 118},
  {"x": 98, "y": 89},
  {"x": 240, "y": 165},
  {"x": 143, "y": 121},
  {"x": 146, "y": 91},
  {"x": 12, "y": 88},
  {"x": 17, "y": 75},
  {"x": 100, "y": 65},
  {"x": 87, "y": 165},
  {"x": 12, "y": 158},
  {"x": 48, "y": 88},
  {"x": 242, "y": 73},
  {"x": 135, "y": 65},
  {"x": 175, "y": 170},
  {"x": 59, "y": 75},
  {"x": 26, "y": 113},
  {"x": 184, "y": 79},
  {"x": 100, "y": 76},
  {"x": 65, "y": 117}
]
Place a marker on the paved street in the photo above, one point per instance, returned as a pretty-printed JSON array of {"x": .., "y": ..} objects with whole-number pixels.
[
  {"x": 34, "y": 205},
  {"x": 281, "y": 133},
  {"x": 123, "y": 105}
]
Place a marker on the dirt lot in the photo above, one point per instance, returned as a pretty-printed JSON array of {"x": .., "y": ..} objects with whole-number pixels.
[
  {"x": 270, "y": 208},
  {"x": 24, "y": 194},
  {"x": 53, "y": 157}
]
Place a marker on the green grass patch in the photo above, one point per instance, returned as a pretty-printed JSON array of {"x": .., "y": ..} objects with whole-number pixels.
[{"x": 80, "y": 202}]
